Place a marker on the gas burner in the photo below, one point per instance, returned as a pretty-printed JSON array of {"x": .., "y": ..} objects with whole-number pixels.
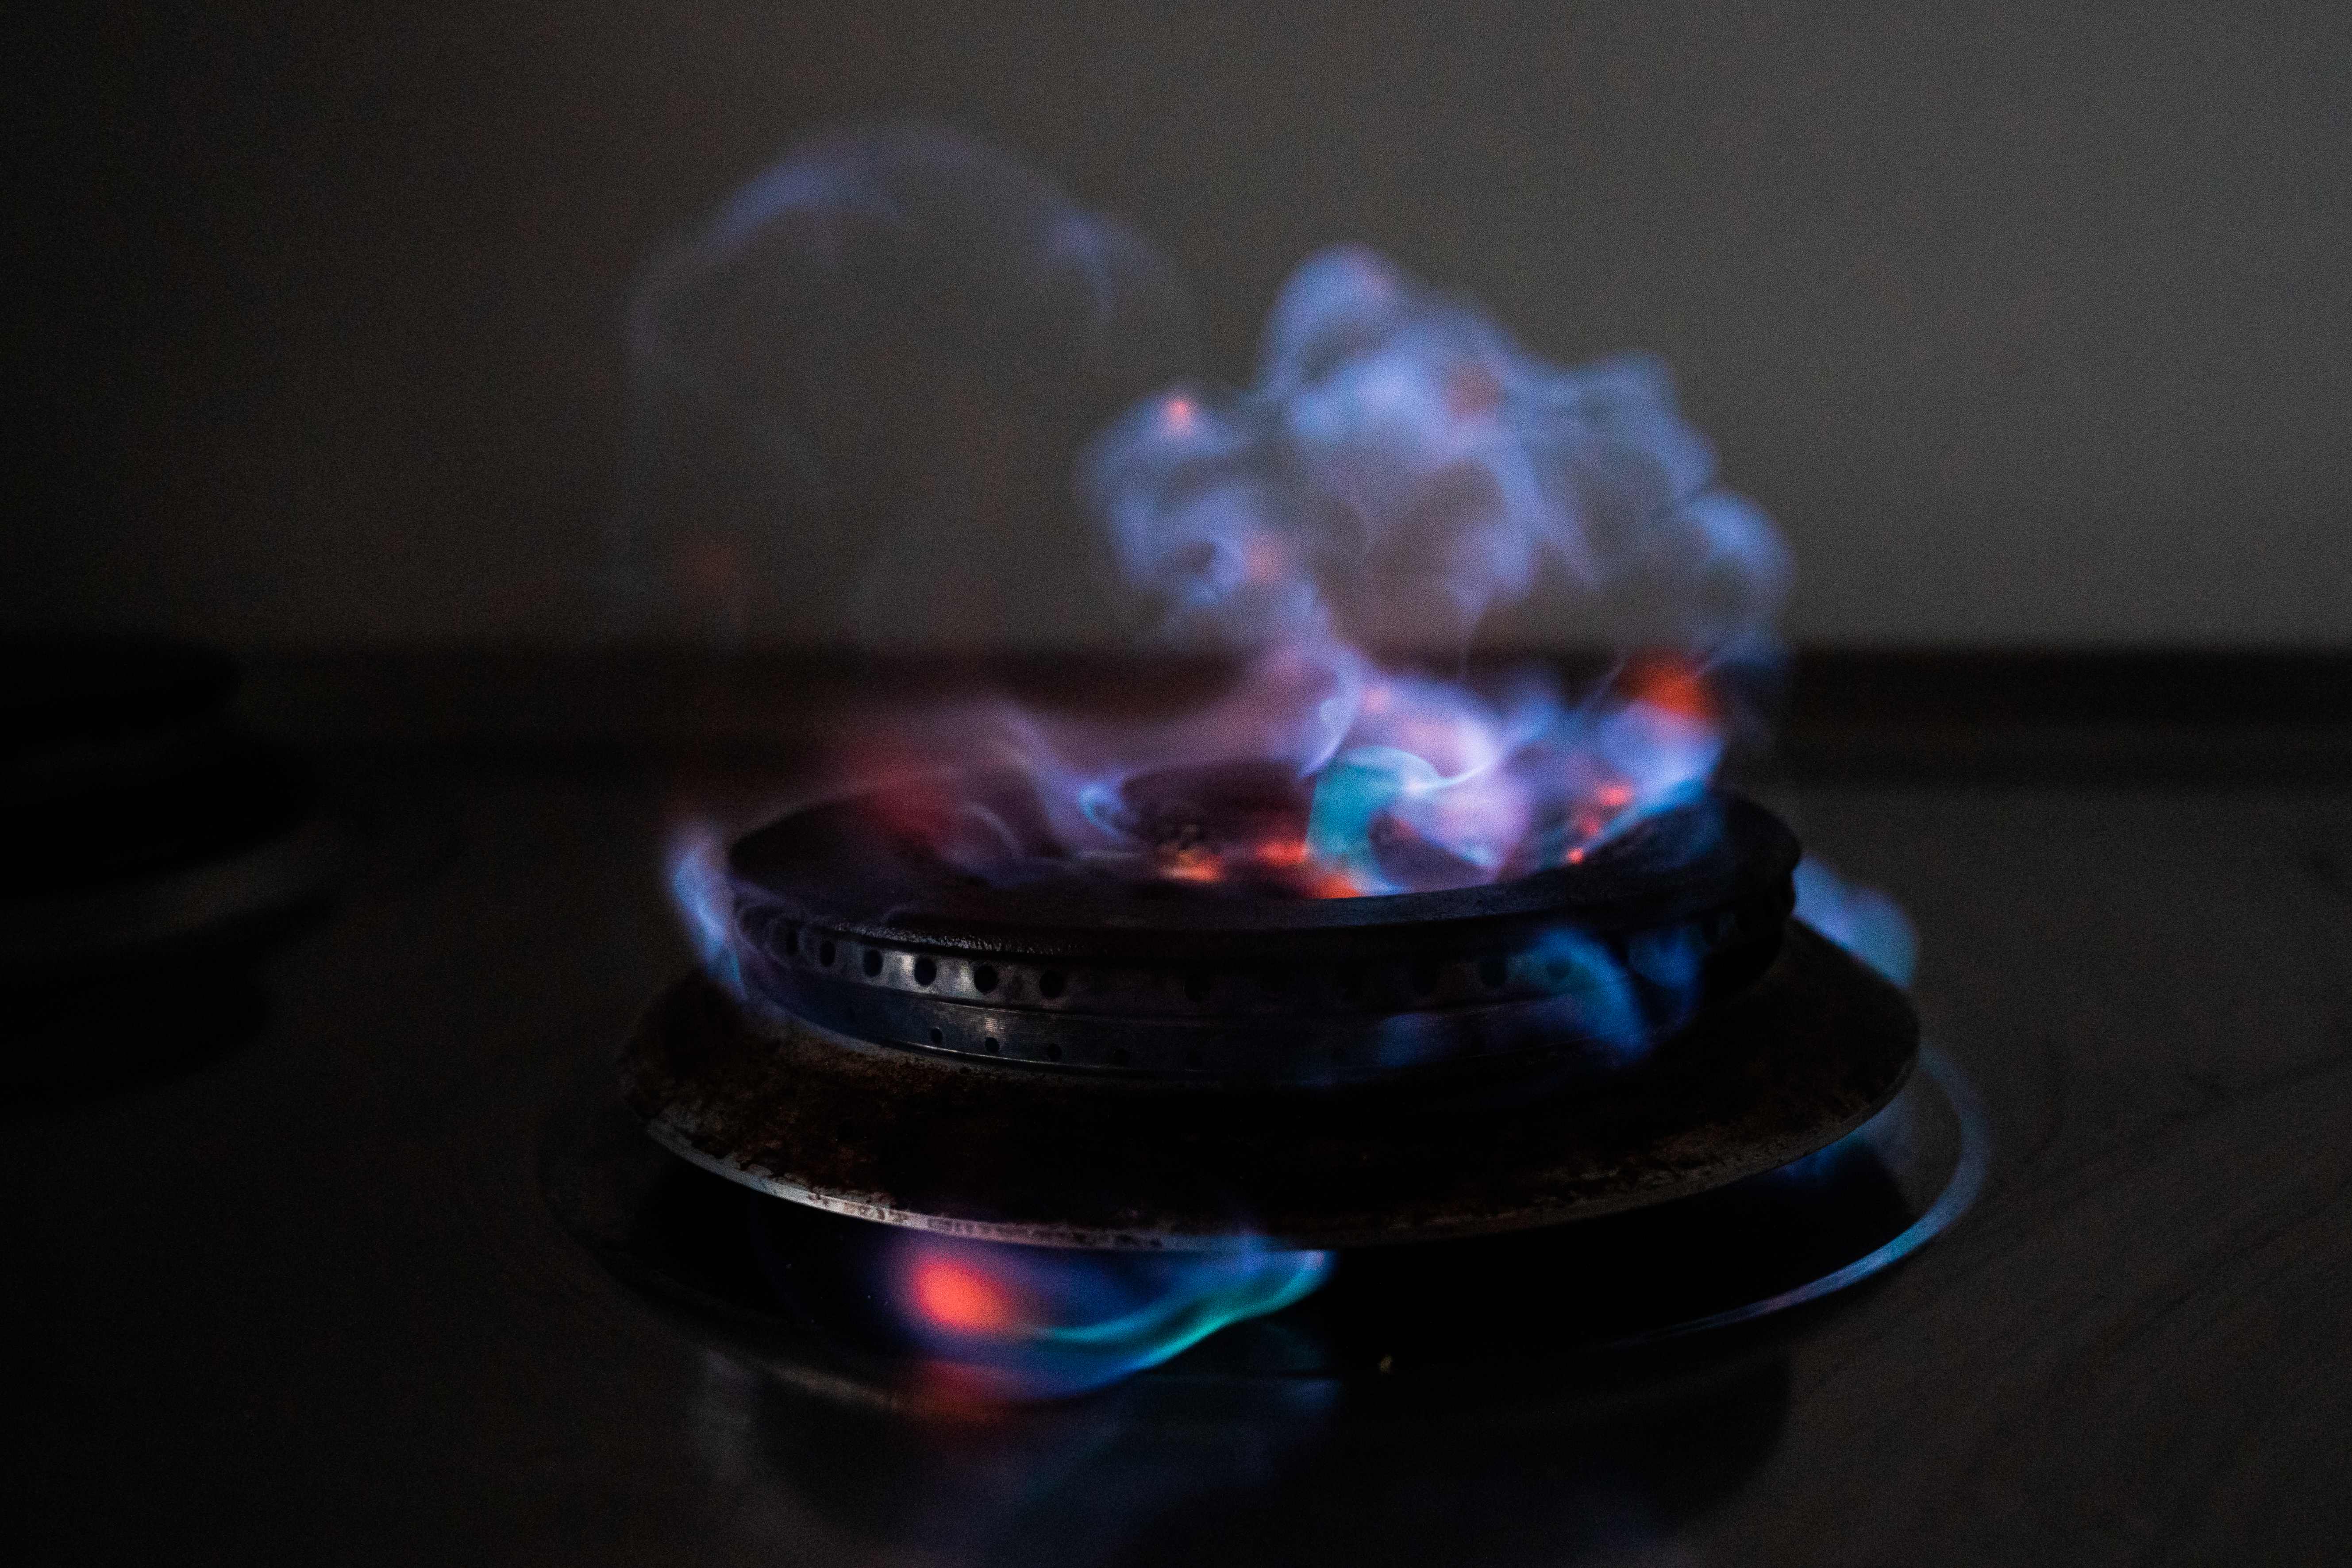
[
  {"x": 1106, "y": 1064},
  {"x": 850, "y": 921},
  {"x": 1179, "y": 1023}
]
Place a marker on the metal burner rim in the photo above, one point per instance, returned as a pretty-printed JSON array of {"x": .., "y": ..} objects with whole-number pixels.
[
  {"x": 1802, "y": 1056},
  {"x": 1540, "y": 964}
]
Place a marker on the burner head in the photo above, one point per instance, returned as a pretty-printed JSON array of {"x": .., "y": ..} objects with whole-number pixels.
[
  {"x": 850, "y": 919},
  {"x": 1075, "y": 1159},
  {"x": 1103, "y": 1062}
]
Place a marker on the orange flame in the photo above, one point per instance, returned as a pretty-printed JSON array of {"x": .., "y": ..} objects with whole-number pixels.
[
  {"x": 1282, "y": 860},
  {"x": 960, "y": 1298},
  {"x": 1192, "y": 864},
  {"x": 1333, "y": 885},
  {"x": 1672, "y": 685}
]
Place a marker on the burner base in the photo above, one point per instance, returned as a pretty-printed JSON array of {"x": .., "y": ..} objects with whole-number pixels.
[
  {"x": 1803, "y": 1057},
  {"x": 1475, "y": 1314}
]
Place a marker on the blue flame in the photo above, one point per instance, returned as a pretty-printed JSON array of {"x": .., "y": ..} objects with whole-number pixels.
[
  {"x": 1358, "y": 789},
  {"x": 704, "y": 901},
  {"x": 1595, "y": 989},
  {"x": 1036, "y": 1323},
  {"x": 1863, "y": 921}
]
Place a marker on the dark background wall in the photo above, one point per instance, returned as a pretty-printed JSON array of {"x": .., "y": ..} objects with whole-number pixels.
[{"x": 2031, "y": 323}]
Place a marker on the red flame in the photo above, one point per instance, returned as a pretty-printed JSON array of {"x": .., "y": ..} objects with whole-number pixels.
[
  {"x": 1284, "y": 863},
  {"x": 960, "y": 1298},
  {"x": 1673, "y": 685}
]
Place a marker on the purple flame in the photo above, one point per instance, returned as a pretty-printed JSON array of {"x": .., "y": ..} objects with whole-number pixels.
[
  {"x": 892, "y": 347},
  {"x": 860, "y": 343},
  {"x": 857, "y": 393},
  {"x": 1402, "y": 468}
]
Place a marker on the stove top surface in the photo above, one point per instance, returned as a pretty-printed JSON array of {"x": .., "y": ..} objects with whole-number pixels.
[{"x": 301, "y": 1297}]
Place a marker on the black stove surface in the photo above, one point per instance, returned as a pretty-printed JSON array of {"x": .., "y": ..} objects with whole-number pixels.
[{"x": 301, "y": 1299}]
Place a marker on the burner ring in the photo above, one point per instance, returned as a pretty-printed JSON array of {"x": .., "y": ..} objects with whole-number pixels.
[
  {"x": 847, "y": 926},
  {"x": 1000, "y": 1152}
]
